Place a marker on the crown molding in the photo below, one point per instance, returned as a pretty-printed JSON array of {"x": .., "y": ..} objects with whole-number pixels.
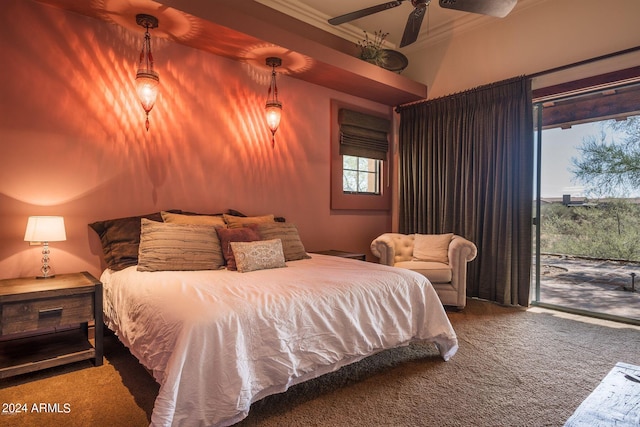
[{"x": 304, "y": 13}]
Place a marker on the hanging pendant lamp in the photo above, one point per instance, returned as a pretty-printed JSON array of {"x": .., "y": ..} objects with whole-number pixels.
[
  {"x": 147, "y": 80},
  {"x": 273, "y": 108}
]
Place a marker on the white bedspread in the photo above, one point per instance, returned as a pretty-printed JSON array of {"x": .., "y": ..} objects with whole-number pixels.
[{"x": 216, "y": 341}]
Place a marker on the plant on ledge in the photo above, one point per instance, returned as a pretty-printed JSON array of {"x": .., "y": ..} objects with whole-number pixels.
[{"x": 371, "y": 48}]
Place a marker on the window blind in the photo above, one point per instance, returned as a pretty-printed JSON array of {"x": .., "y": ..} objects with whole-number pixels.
[{"x": 363, "y": 135}]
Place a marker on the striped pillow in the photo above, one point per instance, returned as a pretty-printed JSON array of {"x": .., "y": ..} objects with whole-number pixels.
[
  {"x": 288, "y": 233},
  {"x": 168, "y": 246}
]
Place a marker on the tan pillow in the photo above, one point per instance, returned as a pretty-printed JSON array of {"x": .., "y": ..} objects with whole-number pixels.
[
  {"x": 166, "y": 246},
  {"x": 288, "y": 233},
  {"x": 258, "y": 255},
  {"x": 174, "y": 218},
  {"x": 240, "y": 221},
  {"x": 432, "y": 247}
]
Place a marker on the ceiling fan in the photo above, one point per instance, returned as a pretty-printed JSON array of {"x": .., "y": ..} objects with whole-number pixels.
[{"x": 497, "y": 8}]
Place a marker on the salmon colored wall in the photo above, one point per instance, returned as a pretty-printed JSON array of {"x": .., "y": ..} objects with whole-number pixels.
[{"x": 73, "y": 142}]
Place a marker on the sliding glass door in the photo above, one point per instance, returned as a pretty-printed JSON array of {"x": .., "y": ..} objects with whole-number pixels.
[{"x": 587, "y": 210}]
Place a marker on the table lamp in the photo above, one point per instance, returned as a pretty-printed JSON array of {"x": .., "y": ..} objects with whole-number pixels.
[{"x": 45, "y": 229}]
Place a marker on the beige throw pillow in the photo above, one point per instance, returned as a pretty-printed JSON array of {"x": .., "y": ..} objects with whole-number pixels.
[
  {"x": 258, "y": 255},
  {"x": 288, "y": 233},
  {"x": 432, "y": 247},
  {"x": 166, "y": 246},
  {"x": 173, "y": 218}
]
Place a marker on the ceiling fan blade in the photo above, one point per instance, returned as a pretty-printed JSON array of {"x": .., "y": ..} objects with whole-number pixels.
[
  {"x": 412, "y": 29},
  {"x": 497, "y": 8},
  {"x": 364, "y": 12}
]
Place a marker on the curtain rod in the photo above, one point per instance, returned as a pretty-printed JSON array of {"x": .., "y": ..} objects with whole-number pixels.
[
  {"x": 531, "y": 76},
  {"x": 463, "y": 92},
  {"x": 584, "y": 62}
]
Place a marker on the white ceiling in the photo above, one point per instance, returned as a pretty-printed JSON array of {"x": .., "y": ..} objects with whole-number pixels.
[{"x": 438, "y": 22}]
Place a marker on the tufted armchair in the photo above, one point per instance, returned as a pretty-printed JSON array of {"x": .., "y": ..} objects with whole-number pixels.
[{"x": 447, "y": 273}]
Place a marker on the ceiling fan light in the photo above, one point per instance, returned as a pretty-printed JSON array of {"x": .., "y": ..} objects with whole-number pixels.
[{"x": 496, "y": 8}]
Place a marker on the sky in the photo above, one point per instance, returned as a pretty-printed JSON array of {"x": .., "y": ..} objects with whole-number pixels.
[{"x": 558, "y": 147}]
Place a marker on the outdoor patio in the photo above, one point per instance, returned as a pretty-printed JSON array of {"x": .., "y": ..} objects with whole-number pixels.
[{"x": 600, "y": 286}]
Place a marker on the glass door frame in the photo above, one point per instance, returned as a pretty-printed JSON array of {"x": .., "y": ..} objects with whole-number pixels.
[{"x": 538, "y": 107}]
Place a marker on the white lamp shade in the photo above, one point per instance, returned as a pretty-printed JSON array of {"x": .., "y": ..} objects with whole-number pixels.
[{"x": 45, "y": 229}]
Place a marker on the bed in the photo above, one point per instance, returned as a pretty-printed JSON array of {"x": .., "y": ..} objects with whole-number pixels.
[{"x": 218, "y": 340}]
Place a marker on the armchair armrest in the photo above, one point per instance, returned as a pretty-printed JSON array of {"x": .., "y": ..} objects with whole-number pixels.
[
  {"x": 393, "y": 247},
  {"x": 461, "y": 251},
  {"x": 382, "y": 247}
]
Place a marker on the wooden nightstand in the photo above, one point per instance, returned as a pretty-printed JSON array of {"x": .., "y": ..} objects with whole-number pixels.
[
  {"x": 343, "y": 254},
  {"x": 33, "y": 311}
]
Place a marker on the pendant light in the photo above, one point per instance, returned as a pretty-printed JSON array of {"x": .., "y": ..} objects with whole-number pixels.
[
  {"x": 147, "y": 80},
  {"x": 273, "y": 109}
]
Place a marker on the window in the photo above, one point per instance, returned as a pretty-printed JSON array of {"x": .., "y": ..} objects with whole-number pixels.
[
  {"x": 360, "y": 157},
  {"x": 360, "y": 175}
]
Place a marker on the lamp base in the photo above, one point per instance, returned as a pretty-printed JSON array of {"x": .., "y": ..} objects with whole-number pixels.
[{"x": 46, "y": 277}]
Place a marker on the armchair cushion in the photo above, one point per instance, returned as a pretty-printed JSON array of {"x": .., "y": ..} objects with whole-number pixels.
[{"x": 436, "y": 272}]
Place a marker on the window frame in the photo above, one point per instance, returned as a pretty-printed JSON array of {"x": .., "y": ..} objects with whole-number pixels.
[{"x": 341, "y": 200}]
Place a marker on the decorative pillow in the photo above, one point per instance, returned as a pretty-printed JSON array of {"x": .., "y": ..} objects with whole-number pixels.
[
  {"x": 120, "y": 238},
  {"x": 228, "y": 235},
  {"x": 288, "y": 233},
  {"x": 167, "y": 246},
  {"x": 432, "y": 247},
  {"x": 175, "y": 218},
  {"x": 258, "y": 255},
  {"x": 240, "y": 221},
  {"x": 238, "y": 213}
]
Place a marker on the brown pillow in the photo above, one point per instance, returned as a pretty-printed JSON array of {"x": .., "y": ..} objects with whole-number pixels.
[
  {"x": 238, "y": 213},
  {"x": 240, "y": 221},
  {"x": 178, "y": 247},
  {"x": 288, "y": 233},
  {"x": 228, "y": 235},
  {"x": 120, "y": 239}
]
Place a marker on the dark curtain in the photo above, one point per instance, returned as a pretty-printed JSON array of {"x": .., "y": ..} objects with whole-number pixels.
[{"x": 466, "y": 166}]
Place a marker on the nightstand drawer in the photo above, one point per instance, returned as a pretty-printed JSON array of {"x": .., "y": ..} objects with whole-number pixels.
[{"x": 25, "y": 316}]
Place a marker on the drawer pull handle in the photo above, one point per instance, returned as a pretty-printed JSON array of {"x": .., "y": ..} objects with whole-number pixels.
[{"x": 50, "y": 312}]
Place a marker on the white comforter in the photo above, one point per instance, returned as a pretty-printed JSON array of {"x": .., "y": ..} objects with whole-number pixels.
[{"x": 216, "y": 341}]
